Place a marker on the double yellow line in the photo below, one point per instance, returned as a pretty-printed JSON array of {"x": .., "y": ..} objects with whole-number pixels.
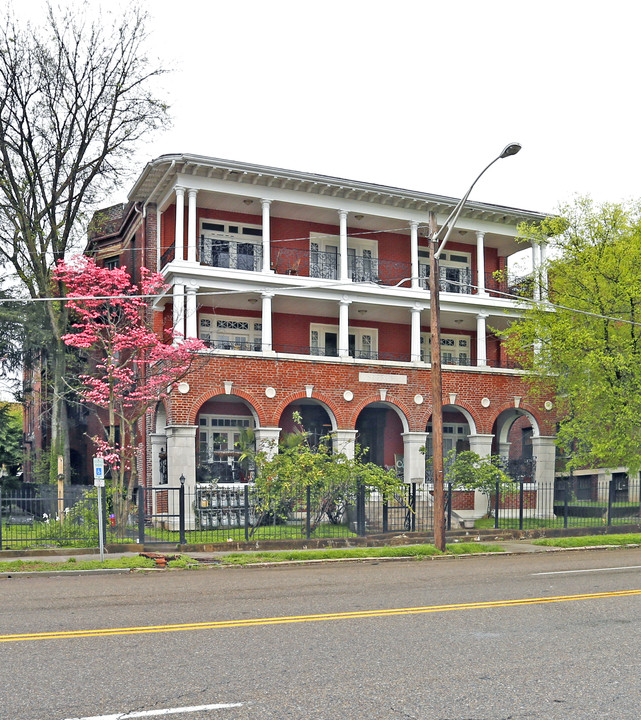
[{"x": 357, "y": 615}]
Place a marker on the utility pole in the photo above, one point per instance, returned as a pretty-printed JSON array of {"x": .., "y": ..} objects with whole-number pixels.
[{"x": 436, "y": 247}]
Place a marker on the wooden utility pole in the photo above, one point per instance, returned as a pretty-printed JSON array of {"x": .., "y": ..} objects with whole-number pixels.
[{"x": 437, "y": 391}]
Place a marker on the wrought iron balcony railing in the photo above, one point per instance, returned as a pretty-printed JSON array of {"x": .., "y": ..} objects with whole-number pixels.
[{"x": 229, "y": 253}]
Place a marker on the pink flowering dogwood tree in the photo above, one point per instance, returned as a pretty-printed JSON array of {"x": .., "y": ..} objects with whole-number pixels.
[{"x": 131, "y": 368}]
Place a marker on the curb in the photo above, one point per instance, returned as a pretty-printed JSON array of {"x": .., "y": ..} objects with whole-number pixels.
[{"x": 54, "y": 573}]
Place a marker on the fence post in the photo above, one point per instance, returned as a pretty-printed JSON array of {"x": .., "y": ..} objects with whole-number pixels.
[
  {"x": 181, "y": 511},
  {"x": 449, "y": 506},
  {"x": 308, "y": 514},
  {"x": 521, "y": 504},
  {"x": 103, "y": 491},
  {"x": 141, "y": 514},
  {"x": 385, "y": 509},
  {"x": 413, "y": 491},
  {"x": 610, "y": 497},
  {"x": 496, "y": 505},
  {"x": 246, "y": 512},
  {"x": 360, "y": 510},
  {"x": 0, "y": 519},
  {"x": 565, "y": 503}
]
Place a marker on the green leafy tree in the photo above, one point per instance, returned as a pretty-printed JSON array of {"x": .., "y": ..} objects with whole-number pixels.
[
  {"x": 333, "y": 479},
  {"x": 586, "y": 342},
  {"x": 10, "y": 444},
  {"x": 469, "y": 471}
]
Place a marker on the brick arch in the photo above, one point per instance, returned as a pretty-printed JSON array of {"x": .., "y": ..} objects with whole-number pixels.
[
  {"x": 399, "y": 407},
  {"x": 162, "y": 405},
  {"x": 523, "y": 409},
  {"x": 256, "y": 408},
  {"x": 468, "y": 412},
  {"x": 331, "y": 410}
]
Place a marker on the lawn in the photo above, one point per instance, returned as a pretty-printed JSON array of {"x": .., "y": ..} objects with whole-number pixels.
[{"x": 591, "y": 540}]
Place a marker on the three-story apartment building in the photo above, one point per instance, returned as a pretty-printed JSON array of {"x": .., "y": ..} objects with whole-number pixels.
[{"x": 311, "y": 294}]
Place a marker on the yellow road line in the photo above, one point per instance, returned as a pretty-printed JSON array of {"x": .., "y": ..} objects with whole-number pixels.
[{"x": 356, "y": 615}]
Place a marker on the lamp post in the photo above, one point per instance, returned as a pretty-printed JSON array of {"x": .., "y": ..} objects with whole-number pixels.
[{"x": 438, "y": 240}]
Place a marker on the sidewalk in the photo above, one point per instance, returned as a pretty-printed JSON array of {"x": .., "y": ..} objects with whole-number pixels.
[{"x": 63, "y": 554}]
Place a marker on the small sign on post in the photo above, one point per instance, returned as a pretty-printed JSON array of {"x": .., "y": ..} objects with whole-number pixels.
[
  {"x": 98, "y": 472},
  {"x": 99, "y": 482}
]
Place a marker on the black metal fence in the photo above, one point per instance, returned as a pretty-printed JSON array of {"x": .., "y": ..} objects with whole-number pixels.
[
  {"x": 35, "y": 516},
  {"x": 587, "y": 501}
]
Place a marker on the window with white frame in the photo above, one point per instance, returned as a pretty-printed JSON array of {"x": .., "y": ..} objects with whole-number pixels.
[
  {"x": 230, "y": 245},
  {"x": 362, "y": 257},
  {"x": 362, "y": 342},
  {"x": 231, "y": 333},
  {"x": 455, "y": 269},
  {"x": 454, "y": 435},
  {"x": 455, "y": 349},
  {"x": 218, "y": 435}
]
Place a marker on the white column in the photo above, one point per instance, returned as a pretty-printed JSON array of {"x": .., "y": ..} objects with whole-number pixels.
[
  {"x": 481, "y": 341},
  {"x": 413, "y": 458},
  {"x": 343, "y": 327},
  {"x": 344, "y": 441},
  {"x": 415, "y": 351},
  {"x": 480, "y": 262},
  {"x": 267, "y": 321},
  {"x": 267, "y": 440},
  {"x": 181, "y": 460},
  {"x": 414, "y": 253},
  {"x": 191, "y": 322},
  {"x": 482, "y": 446},
  {"x": 504, "y": 450},
  {"x": 158, "y": 240},
  {"x": 180, "y": 224},
  {"x": 179, "y": 311},
  {"x": 604, "y": 478},
  {"x": 266, "y": 236},
  {"x": 342, "y": 245},
  {"x": 192, "y": 233},
  {"x": 544, "y": 450}
]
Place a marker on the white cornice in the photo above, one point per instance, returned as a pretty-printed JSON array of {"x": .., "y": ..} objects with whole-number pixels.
[{"x": 267, "y": 182}]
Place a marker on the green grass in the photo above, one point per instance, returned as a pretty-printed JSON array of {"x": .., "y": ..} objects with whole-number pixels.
[
  {"x": 410, "y": 551},
  {"x": 74, "y": 563},
  {"x": 263, "y": 532},
  {"x": 591, "y": 540},
  {"x": 249, "y": 558},
  {"x": 542, "y": 523}
]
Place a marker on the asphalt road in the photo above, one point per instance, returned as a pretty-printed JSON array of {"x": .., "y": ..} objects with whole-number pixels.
[{"x": 355, "y": 641}]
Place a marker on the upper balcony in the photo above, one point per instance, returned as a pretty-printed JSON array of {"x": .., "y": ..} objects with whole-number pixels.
[{"x": 231, "y": 254}]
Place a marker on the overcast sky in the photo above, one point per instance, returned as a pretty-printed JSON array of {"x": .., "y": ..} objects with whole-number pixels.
[{"x": 418, "y": 95}]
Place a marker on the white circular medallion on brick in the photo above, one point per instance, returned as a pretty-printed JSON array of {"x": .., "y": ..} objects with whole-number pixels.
[
  {"x": 348, "y": 395},
  {"x": 270, "y": 392}
]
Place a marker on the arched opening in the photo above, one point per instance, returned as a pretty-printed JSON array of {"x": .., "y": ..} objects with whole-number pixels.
[
  {"x": 380, "y": 427},
  {"x": 226, "y": 426},
  {"x": 315, "y": 419},
  {"x": 513, "y": 432},
  {"x": 457, "y": 427}
]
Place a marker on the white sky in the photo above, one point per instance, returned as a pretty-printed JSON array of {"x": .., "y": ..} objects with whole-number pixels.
[
  {"x": 415, "y": 94},
  {"x": 419, "y": 95}
]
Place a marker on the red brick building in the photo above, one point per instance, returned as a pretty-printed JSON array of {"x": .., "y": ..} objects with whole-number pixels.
[{"x": 311, "y": 295}]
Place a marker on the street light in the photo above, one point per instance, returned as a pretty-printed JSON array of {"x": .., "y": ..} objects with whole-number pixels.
[{"x": 436, "y": 247}]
